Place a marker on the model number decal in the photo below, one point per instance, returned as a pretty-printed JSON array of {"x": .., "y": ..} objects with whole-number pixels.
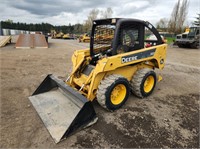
[{"x": 133, "y": 57}]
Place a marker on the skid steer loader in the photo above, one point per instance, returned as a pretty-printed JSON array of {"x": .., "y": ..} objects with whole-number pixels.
[{"x": 107, "y": 72}]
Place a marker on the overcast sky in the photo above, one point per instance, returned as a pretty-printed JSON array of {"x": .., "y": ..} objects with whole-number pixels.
[{"x": 63, "y": 12}]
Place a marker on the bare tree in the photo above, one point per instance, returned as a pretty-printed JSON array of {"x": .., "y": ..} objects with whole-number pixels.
[
  {"x": 178, "y": 16},
  {"x": 162, "y": 24},
  {"x": 94, "y": 13},
  {"x": 182, "y": 15},
  {"x": 174, "y": 16},
  {"x": 107, "y": 13},
  {"x": 92, "y": 16}
]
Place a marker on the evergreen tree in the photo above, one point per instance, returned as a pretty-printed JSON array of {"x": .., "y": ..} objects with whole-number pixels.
[{"x": 42, "y": 27}]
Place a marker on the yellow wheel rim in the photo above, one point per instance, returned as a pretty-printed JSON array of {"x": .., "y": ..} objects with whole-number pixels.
[
  {"x": 148, "y": 84},
  {"x": 118, "y": 94}
]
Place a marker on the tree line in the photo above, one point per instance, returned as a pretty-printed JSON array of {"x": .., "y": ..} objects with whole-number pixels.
[
  {"x": 47, "y": 28},
  {"x": 42, "y": 27},
  {"x": 176, "y": 23}
]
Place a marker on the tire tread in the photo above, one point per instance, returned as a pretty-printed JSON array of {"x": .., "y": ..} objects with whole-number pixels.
[
  {"x": 104, "y": 84},
  {"x": 137, "y": 80}
]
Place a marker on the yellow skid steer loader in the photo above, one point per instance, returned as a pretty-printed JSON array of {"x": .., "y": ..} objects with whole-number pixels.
[{"x": 108, "y": 71}]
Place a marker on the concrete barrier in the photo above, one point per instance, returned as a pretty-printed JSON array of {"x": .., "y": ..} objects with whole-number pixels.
[{"x": 6, "y": 32}]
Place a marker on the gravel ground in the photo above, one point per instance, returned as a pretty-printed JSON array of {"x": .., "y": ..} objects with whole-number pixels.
[{"x": 168, "y": 118}]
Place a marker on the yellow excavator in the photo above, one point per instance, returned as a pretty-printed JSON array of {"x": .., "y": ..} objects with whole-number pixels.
[
  {"x": 56, "y": 35},
  {"x": 84, "y": 38},
  {"x": 106, "y": 72}
]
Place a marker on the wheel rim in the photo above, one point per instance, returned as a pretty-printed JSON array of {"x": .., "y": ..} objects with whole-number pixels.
[
  {"x": 148, "y": 84},
  {"x": 118, "y": 94}
]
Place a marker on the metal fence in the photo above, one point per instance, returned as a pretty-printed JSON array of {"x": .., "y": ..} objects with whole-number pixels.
[{"x": 7, "y": 32}]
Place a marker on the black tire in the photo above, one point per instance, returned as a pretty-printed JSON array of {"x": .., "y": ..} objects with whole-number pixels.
[
  {"x": 138, "y": 82},
  {"x": 106, "y": 89},
  {"x": 194, "y": 45},
  {"x": 180, "y": 45}
]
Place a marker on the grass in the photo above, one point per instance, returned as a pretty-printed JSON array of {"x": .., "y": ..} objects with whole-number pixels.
[{"x": 170, "y": 40}]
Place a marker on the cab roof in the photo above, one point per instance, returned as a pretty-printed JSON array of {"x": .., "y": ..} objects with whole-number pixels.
[{"x": 115, "y": 20}]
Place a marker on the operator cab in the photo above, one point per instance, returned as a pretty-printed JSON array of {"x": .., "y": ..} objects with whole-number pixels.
[
  {"x": 193, "y": 32},
  {"x": 114, "y": 36}
]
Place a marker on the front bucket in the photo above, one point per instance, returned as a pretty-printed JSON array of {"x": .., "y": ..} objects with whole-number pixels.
[{"x": 62, "y": 109}]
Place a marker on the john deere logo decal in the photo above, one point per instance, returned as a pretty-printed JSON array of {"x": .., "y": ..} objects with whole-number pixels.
[{"x": 133, "y": 57}]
